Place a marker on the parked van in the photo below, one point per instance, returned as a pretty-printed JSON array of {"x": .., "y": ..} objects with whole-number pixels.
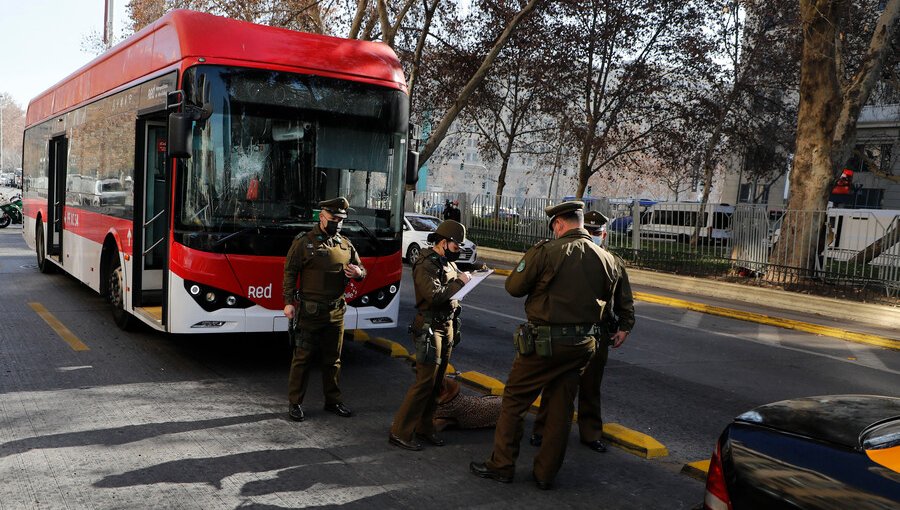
[
  {"x": 855, "y": 230},
  {"x": 675, "y": 221}
]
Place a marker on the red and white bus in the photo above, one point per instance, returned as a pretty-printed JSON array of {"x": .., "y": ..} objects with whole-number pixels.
[{"x": 172, "y": 173}]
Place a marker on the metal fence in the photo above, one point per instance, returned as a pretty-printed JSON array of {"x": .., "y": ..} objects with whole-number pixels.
[{"x": 852, "y": 253}]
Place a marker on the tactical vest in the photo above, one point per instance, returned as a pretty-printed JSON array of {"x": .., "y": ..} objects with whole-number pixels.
[{"x": 324, "y": 261}]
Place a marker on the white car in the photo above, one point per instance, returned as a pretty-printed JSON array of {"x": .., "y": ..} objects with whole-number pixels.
[{"x": 416, "y": 228}]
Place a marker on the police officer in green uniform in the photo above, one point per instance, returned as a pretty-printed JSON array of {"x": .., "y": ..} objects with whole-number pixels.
[
  {"x": 435, "y": 332},
  {"x": 615, "y": 327},
  {"x": 316, "y": 271},
  {"x": 568, "y": 281}
]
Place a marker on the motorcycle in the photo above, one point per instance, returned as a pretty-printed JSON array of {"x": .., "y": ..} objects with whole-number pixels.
[{"x": 11, "y": 213}]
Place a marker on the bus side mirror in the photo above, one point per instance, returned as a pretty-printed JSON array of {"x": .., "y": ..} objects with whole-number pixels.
[
  {"x": 412, "y": 168},
  {"x": 179, "y": 139}
]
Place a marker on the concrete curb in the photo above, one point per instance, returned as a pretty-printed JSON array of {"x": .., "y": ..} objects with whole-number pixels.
[
  {"x": 633, "y": 441},
  {"x": 389, "y": 347},
  {"x": 697, "y": 470},
  {"x": 482, "y": 382}
]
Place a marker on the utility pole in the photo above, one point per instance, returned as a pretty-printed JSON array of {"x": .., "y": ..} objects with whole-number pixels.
[{"x": 108, "y": 24}]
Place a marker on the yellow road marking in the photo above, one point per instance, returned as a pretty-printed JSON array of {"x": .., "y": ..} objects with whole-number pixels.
[
  {"x": 503, "y": 272},
  {"x": 850, "y": 336},
  {"x": 697, "y": 469},
  {"x": 59, "y": 327}
]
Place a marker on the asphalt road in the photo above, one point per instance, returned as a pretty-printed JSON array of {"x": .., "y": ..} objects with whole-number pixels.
[{"x": 145, "y": 420}]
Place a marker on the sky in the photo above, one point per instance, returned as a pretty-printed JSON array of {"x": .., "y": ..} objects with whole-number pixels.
[{"x": 40, "y": 41}]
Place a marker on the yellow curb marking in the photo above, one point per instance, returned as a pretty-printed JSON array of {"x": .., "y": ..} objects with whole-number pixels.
[
  {"x": 850, "y": 336},
  {"x": 487, "y": 383},
  {"x": 396, "y": 350},
  {"x": 360, "y": 335},
  {"x": 697, "y": 469},
  {"x": 59, "y": 327},
  {"x": 634, "y": 441}
]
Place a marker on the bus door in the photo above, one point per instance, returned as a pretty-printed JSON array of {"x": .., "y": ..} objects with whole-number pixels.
[
  {"x": 151, "y": 221},
  {"x": 56, "y": 196}
]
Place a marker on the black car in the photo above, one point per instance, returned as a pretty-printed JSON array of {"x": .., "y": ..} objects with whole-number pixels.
[{"x": 829, "y": 452}]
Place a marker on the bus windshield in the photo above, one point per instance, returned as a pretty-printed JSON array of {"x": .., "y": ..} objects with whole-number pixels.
[{"x": 278, "y": 143}]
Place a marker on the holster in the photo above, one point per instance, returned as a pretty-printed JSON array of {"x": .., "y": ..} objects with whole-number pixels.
[
  {"x": 524, "y": 339},
  {"x": 423, "y": 340},
  {"x": 543, "y": 343}
]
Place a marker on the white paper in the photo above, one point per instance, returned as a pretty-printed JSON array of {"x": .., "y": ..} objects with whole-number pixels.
[{"x": 477, "y": 277}]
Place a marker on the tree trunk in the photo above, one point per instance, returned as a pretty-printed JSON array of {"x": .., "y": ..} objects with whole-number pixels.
[
  {"x": 440, "y": 132},
  {"x": 811, "y": 174},
  {"x": 501, "y": 180}
]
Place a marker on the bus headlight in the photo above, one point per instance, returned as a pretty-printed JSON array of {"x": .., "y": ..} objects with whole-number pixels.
[
  {"x": 379, "y": 298},
  {"x": 211, "y": 298}
]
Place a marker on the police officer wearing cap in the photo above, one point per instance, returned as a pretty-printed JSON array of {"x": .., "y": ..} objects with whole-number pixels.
[
  {"x": 435, "y": 332},
  {"x": 616, "y": 325},
  {"x": 318, "y": 266},
  {"x": 568, "y": 282}
]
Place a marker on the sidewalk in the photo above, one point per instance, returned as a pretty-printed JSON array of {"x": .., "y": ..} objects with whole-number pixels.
[{"x": 848, "y": 320}]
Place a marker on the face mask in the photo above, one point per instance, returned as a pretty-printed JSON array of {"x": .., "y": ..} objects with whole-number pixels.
[
  {"x": 597, "y": 240},
  {"x": 452, "y": 256},
  {"x": 333, "y": 227}
]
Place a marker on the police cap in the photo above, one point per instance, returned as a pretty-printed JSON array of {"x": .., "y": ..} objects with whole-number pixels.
[
  {"x": 566, "y": 207},
  {"x": 336, "y": 206},
  {"x": 450, "y": 229},
  {"x": 594, "y": 219}
]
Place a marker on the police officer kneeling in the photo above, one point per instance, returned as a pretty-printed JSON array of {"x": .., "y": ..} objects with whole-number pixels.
[
  {"x": 435, "y": 332},
  {"x": 324, "y": 261},
  {"x": 568, "y": 282}
]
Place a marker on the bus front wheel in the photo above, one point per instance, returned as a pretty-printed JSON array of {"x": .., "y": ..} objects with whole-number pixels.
[{"x": 116, "y": 297}]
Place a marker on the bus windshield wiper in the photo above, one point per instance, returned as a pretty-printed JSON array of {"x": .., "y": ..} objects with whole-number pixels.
[
  {"x": 235, "y": 234},
  {"x": 364, "y": 229}
]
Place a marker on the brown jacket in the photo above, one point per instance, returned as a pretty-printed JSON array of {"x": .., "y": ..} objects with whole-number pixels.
[
  {"x": 435, "y": 280},
  {"x": 567, "y": 280}
]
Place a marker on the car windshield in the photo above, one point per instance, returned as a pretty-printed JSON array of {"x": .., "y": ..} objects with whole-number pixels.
[
  {"x": 423, "y": 223},
  {"x": 111, "y": 186}
]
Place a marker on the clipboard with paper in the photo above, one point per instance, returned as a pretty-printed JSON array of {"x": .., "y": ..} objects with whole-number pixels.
[{"x": 477, "y": 278}]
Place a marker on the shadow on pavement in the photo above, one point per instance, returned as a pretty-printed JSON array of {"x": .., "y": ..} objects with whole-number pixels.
[{"x": 125, "y": 435}]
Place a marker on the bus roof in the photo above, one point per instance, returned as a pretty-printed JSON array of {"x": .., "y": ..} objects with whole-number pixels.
[{"x": 183, "y": 34}]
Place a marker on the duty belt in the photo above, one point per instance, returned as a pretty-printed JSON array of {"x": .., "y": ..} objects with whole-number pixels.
[
  {"x": 328, "y": 305},
  {"x": 569, "y": 334},
  {"x": 437, "y": 316}
]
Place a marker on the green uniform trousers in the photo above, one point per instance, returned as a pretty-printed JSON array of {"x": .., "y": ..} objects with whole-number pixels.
[
  {"x": 590, "y": 421},
  {"x": 416, "y": 413},
  {"x": 557, "y": 377},
  {"x": 327, "y": 339}
]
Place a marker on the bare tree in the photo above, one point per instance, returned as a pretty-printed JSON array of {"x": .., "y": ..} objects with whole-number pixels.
[
  {"x": 626, "y": 60},
  {"x": 506, "y": 109}
]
